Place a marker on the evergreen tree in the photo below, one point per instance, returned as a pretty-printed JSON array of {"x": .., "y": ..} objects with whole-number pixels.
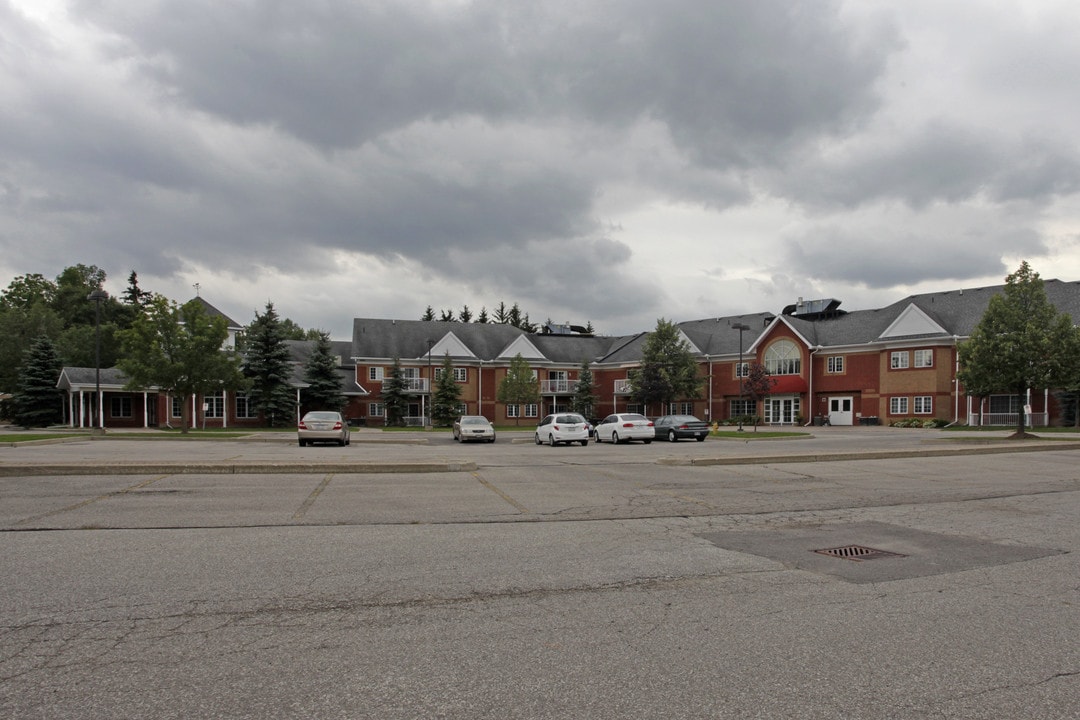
[
  {"x": 395, "y": 402},
  {"x": 447, "y": 397},
  {"x": 483, "y": 318},
  {"x": 589, "y": 328},
  {"x": 1021, "y": 342},
  {"x": 668, "y": 370},
  {"x": 447, "y": 316},
  {"x": 519, "y": 387},
  {"x": 429, "y": 314},
  {"x": 267, "y": 366},
  {"x": 321, "y": 374},
  {"x": 514, "y": 317},
  {"x": 36, "y": 401},
  {"x": 502, "y": 315},
  {"x": 20, "y": 326},
  {"x": 178, "y": 350},
  {"x": 584, "y": 396},
  {"x": 133, "y": 295},
  {"x": 465, "y": 315}
]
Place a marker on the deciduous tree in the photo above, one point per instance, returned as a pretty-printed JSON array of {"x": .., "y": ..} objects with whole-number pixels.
[
  {"x": 668, "y": 370},
  {"x": 519, "y": 387},
  {"x": 1021, "y": 342},
  {"x": 179, "y": 350}
]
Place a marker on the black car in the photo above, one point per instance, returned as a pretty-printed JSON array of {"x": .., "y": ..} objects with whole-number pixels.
[{"x": 676, "y": 427}]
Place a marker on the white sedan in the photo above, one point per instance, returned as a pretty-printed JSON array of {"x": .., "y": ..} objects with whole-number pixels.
[{"x": 624, "y": 427}]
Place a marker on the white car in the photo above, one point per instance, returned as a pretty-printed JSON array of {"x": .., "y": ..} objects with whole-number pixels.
[
  {"x": 624, "y": 427},
  {"x": 562, "y": 428},
  {"x": 473, "y": 427}
]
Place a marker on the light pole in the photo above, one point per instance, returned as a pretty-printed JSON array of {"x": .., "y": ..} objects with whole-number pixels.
[
  {"x": 739, "y": 370},
  {"x": 431, "y": 384},
  {"x": 96, "y": 297}
]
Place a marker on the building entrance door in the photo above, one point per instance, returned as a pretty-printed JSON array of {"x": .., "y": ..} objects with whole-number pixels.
[
  {"x": 840, "y": 412},
  {"x": 781, "y": 410}
]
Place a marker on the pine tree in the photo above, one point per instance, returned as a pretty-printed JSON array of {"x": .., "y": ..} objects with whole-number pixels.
[
  {"x": 395, "y": 402},
  {"x": 502, "y": 315},
  {"x": 465, "y": 315},
  {"x": 321, "y": 374},
  {"x": 584, "y": 396},
  {"x": 483, "y": 318},
  {"x": 429, "y": 314},
  {"x": 134, "y": 295},
  {"x": 447, "y": 397},
  {"x": 447, "y": 316},
  {"x": 266, "y": 364},
  {"x": 36, "y": 401}
]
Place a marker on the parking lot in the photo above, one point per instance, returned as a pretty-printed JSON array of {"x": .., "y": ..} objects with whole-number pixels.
[{"x": 511, "y": 580}]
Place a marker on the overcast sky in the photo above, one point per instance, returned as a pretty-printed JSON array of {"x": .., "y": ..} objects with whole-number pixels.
[{"x": 592, "y": 160}]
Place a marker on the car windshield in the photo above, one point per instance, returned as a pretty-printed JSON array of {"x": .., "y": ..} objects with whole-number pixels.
[
  {"x": 474, "y": 421},
  {"x": 570, "y": 419},
  {"x": 321, "y": 416}
]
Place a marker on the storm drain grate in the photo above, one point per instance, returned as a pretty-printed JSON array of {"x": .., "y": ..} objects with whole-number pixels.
[{"x": 857, "y": 553}]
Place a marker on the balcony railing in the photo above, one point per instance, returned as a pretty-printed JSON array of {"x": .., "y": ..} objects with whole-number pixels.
[
  {"x": 976, "y": 419},
  {"x": 622, "y": 387},
  {"x": 558, "y": 387},
  {"x": 416, "y": 385}
]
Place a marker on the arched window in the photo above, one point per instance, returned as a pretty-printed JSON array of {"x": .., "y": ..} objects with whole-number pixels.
[{"x": 783, "y": 358}]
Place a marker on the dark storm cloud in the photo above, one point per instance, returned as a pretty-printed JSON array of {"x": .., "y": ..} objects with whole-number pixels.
[
  {"x": 937, "y": 163},
  {"x": 832, "y": 254}
]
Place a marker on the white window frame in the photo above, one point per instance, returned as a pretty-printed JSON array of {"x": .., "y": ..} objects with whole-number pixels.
[
  {"x": 834, "y": 364},
  {"x": 461, "y": 375},
  {"x": 215, "y": 405},
  {"x": 783, "y": 357},
  {"x": 376, "y": 409},
  {"x": 742, "y": 369},
  {"x": 923, "y": 404},
  {"x": 532, "y": 410},
  {"x": 924, "y": 359},
  {"x": 176, "y": 406},
  {"x": 899, "y": 360},
  {"x": 513, "y": 410},
  {"x": 898, "y": 406},
  {"x": 375, "y": 374}
]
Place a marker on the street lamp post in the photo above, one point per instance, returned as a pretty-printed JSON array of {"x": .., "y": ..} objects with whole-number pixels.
[
  {"x": 739, "y": 370},
  {"x": 431, "y": 384},
  {"x": 96, "y": 297}
]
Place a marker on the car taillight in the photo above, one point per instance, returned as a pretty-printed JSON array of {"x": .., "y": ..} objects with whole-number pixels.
[
  {"x": 628, "y": 424},
  {"x": 337, "y": 426},
  {"x": 649, "y": 424},
  {"x": 555, "y": 426},
  {"x": 684, "y": 426},
  {"x": 302, "y": 426}
]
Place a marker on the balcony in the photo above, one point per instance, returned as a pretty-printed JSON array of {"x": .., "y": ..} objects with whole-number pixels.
[
  {"x": 416, "y": 385},
  {"x": 558, "y": 387}
]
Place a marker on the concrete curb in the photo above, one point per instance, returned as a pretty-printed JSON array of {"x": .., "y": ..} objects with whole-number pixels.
[
  {"x": 871, "y": 455},
  {"x": 233, "y": 468}
]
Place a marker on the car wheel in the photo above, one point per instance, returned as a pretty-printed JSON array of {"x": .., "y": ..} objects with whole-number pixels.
[
  {"x": 551, "y": 440},
  {"x": 536, "y": 437},
  {"x": 302, "y": 443},
  {"x": 492, "y": 439},
  {"x": 348, "y": 441},
  {"x": 584, "y": 443},
  {"x": 615, "y": 438},
  {"x": 341, "y": 442},
  {"x": 647, "y": 441},
  {"x": 671, "y": 436}
]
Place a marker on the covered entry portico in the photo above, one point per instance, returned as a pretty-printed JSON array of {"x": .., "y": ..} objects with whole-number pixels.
[{"x": 116, "y": 407}]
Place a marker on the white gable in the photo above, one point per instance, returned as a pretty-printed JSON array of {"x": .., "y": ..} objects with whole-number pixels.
[
  {"x": 912, "y": 321},
  {"x": 693, "y": 348},
  {"x": 522, "y": 346},
  {"x": 451, "y": 345}
]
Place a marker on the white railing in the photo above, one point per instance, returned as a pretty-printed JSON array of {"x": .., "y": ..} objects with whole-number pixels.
[
  {"x": 555, "y": 387},
  {"x": 622, "y": 387},
  {"x": 977, "y": 419},
  {"x": 416, "y": 385}
]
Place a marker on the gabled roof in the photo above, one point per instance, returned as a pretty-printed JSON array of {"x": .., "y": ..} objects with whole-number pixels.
[
  {"x": 912, "y": 321},
  {"x": 408, "y": 339},
  {"x": 214, "y": 312},
  {"x": 83, "y": 378}
]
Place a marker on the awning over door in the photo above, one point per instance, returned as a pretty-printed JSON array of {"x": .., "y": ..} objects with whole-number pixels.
[{"x": 789, "y": 384}]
